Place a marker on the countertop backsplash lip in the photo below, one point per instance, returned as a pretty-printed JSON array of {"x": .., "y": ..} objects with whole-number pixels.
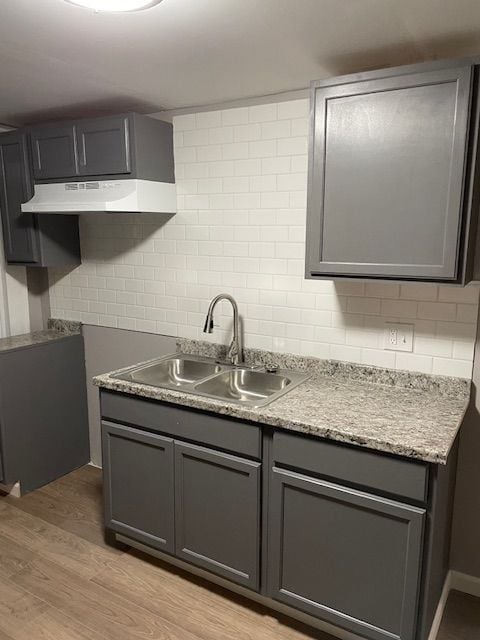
[
  {"x": 66, "y": 327},
  {"x": 444, "y": 385},
  {"x": 411, "y": 415}
]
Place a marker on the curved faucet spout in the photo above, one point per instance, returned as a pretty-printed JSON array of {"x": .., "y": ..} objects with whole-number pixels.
[{"x": 235, "y": 351}]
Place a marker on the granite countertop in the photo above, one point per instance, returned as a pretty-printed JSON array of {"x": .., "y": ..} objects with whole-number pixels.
[
  {"x": 39, "y": 337},
  {"x": 411, "y": 415}
]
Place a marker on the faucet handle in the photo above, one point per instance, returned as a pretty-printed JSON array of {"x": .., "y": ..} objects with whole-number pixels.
[{"x": 270, "y": 367}]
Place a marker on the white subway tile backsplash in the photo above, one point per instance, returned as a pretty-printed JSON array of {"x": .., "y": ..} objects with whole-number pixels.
[
  {"x": 220, "y": 135},
  {"x": 241, "y": 195},
  {"x": 247, "y": 132},
  {"x": 262, "y": 113},
  {"x": 452, "y": 367},
  {"x": 437, "y": 310},
  {"x": 208, "y": 119},
  {"x": 467, "y": 313},
  {"x": 235, "y": 116},
  {"x": 414, "y": 362}
]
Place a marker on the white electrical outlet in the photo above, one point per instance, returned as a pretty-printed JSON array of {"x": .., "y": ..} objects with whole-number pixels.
[{"x": 398, "y": 336}]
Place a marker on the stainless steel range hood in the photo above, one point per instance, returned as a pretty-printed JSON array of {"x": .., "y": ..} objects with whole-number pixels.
[{"x": 111, "y": 196}]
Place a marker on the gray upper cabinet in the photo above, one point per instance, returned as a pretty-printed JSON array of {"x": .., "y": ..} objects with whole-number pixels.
[
  {"x": 103, "y": 146},
  {"x": 389, "y": 162},
  {"x": 36, "y": 241},
  {"x": 138, "y": 476},
  {"x": 54, "y": 151},
  {"x": 217, "y": 512},
  {"x": 125, "y": 146},
  {"x": 16, "y": 187},
  {"x": 348, "y": 557}
]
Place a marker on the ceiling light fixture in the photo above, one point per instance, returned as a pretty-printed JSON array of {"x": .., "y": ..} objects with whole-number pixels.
[{"x": 115, "y": 5}]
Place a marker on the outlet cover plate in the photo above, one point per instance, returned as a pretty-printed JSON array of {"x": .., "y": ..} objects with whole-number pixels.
[{"x": 398, "y": 336}]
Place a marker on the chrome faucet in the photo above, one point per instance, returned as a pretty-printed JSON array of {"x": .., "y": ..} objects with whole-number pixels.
[{"x": 235, "y": 350}]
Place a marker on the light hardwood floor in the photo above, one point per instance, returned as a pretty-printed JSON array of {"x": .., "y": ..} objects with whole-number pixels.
[{"x": 60, "y": 581}]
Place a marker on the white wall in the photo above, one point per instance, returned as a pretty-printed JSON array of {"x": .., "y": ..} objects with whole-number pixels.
[{"x": 240, "y": 227}]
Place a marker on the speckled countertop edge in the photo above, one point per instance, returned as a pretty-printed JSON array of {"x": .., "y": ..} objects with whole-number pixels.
[
  {"x": 25, "y": 340},
  {"x": 410, "y": 415}
]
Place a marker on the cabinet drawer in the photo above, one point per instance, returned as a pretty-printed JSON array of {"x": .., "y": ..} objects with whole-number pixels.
[
  {"x": 188, "y": 424},
  {"x": 361, "y": 467}
]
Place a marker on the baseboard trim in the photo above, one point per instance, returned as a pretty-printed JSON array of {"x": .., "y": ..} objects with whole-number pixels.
[
  {"x": 437, "y": 620},
  {"x": 465, "y": 583},
  {"x": 13, "y": 490},
  {"x": 460, "y": 582}
]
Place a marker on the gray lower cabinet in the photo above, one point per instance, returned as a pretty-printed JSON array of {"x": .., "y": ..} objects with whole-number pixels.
[
  {"x": 348, "y": 557},
  {"x": 391, "y": 175},
  {"x": 352, "y": 537},
  {"x": 217, "y": 512},
  {"x": 43, "y": 412},
  {"x": 138, "y": 475}
]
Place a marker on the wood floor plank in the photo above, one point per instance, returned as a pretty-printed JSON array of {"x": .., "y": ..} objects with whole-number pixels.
[
  {"x": 114, "y": 617},
  {"x": 461, "y": 620},
  {"x": 13, "y": 556},
  {"x": 18, "y": 609},
  {"x": 53, "y": 543},
  {"x": 83, "y": 520},
  {"x": 59, "y": 581},
  {"x": 54, "y": 625},
  {"x": 198, "y": 606}
]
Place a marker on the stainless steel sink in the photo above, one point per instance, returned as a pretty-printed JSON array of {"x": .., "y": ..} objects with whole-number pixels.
[
  {"x": 172, "y": 372},
  {"x": 241, "y": 385},
  {"x": 245, "y": 386}
]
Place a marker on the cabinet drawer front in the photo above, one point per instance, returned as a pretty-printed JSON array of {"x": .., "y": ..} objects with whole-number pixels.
[
  {"x": 346, "y": 557},
  {"x": 353, "y": 465},
  {"x": 188, "y": 424},
  {"x": 139, "y": 485},
  {"x": 378, "y": 205},
  {"x": 217, "y": 512}
]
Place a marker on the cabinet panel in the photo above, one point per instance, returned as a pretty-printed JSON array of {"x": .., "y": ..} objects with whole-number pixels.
[
  {"x": 15, "y": 188},
  {"x": 345, "y": 556},
  {"x": 386, "y": 176},
  {"x": 354, "y": 465},
  {"x": 104, "y": 146},
  {"x": 54, "y": 151},
  {"x": 217, "y": 510},
  {"x": 196, "y": 426},
  {"x": 139, "y": 491}
]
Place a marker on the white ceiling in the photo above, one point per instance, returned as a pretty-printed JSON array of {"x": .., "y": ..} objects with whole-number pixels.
[{"x": 58, "y": 59}]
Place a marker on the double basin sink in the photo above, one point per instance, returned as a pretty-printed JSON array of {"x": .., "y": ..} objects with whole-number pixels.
[{"x": 238, "y": 384}]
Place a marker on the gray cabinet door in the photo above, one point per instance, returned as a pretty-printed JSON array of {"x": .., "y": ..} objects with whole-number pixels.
[
  {"x": 217, "y": 510},
  {"x": 345, "y": 556},
  {"x": 19, "y": 235},
  {"x": 54, "y": 151},
  {"x": 104, "y": 146},
  {"x": 386, "y": 176},
  {"x": 138, "y": 485}
]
